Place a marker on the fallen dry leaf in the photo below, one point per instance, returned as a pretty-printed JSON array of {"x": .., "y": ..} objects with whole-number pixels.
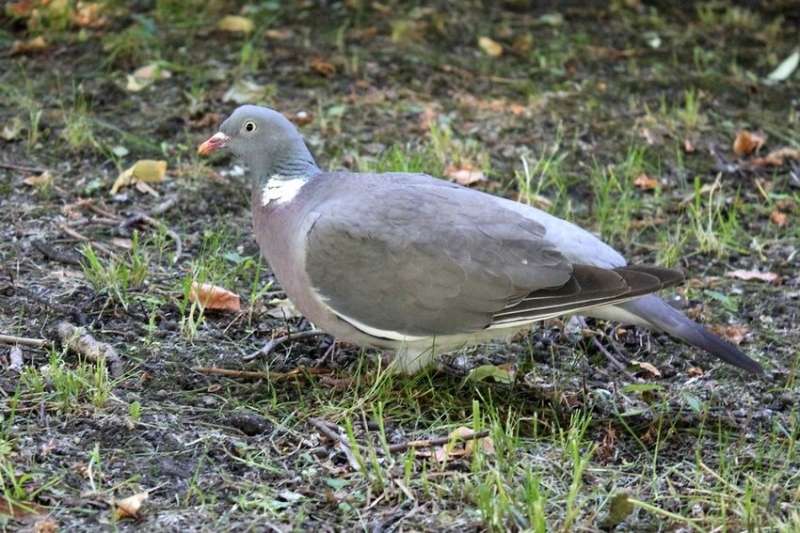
[
  {"x": 11, "y": 129},
  {"x": 605, "y": 451},
  {"x": 776, "y": 158},
  {"x": 695, "y": 371},
  {"x": 462, "y": 445},
  {"x": 283, "y": 308},
  {"x": 44, "y": 179},
  {"x": 89, "y": 15},
  {"x": 465, "y": 174},
  {"x": 322, "y": 67},
  {"x": 130, "y": 506},
  {"x": 143, "y": 171},
  {"x": 244, "y": 92},
  {"x": 733, "y": 333},
  {"x": 747, "y": 142},
  {"x": 20, "y": 9},
  {"x": 214, "y": 297},
  {"x": 236, "y": 24},
  {"x": 301, "y": 118},
  {"x": 490, "y": 47},
  {"x": 749, "y": 275},
  {"x": 779, "y": 218},
  {"x": 279, "y": 34},
  {"x": 645, "y": 182},
  {"x": 651, "y": 370},
  {"x": 45, "y": 525},
  {"x": 144, "y": 76},
  {"x": 31, "y": 46},
  {"x": 688, "y": 146}
]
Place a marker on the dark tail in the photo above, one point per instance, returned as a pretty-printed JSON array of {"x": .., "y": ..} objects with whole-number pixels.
[{"x": 668, "y": 319}]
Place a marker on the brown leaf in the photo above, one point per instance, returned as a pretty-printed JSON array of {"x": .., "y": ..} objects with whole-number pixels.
[
  {"x": 605, "y": 450},
  {"x": 20, "y": 9},
  {"x": 130, "y": 506},
  {"x": 143, "y": 171},
  {"x": 779, "y": 218},
  {"x": 649, "y": 369},
  {"x": 42, "y": 180},
  {"x": 490, "y": 47},
  {"x": 749, "y": 275},
  {"x": 19, "y": 510},
  {"x": 747, "y": 142},
  {"x": 235, "y": 24},
  {"x": 322, "y": 67},
  {"x": 214, "y": 297},
  {"x": 776, "y": 158},
  {"x": 688, "y": 146},
  {"x": 645, "y": 182},
  {"x": 465, "y": 174},
  {"x": 45, "y": 525},
  {"x": 89, "y": 15},
  {"x": 733, "y": 333},
  {"x": 695, "y": 371},
  {"x": 428, "y": 117},
  {"x": 31, "y": 46}
]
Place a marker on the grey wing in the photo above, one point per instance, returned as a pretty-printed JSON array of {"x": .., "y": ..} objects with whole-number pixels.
[{"x": 430, "y": 261}]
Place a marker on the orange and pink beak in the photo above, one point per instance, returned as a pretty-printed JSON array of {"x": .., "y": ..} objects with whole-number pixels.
[{"x": 214, "y": 143}]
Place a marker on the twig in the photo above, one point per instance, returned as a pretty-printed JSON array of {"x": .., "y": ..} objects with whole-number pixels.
[
  {"x": 81, "y": 237},
  {"x": 270, "y": 346},
  {"x": 22, "y": 168},
  {"x": 249, "y": 374},
  {"x": 54, "y": 255},
  {"x": 142, "y": 217},
  {"x": 79, "y": 340},
  {"x": 613, "y": 360},
  {"x": 164, "y": 206},
  {"x": 24, "y": 341},
  {"x": 438, "y": 441},
  {"x": 327, "y": 429}
]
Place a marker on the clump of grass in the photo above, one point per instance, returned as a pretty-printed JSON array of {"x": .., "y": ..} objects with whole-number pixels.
[
  {"x": 78, "y": 129},
  {"x": 116, "y": 276},
  {"x": 132, "y": 46},
  {"x": 715, "y": 227}
]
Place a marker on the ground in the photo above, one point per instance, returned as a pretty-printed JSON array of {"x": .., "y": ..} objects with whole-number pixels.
[{"x": 621, "y": 118}]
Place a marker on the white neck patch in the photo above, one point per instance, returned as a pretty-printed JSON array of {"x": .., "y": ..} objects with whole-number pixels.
[{"x": 281, "y": 189}]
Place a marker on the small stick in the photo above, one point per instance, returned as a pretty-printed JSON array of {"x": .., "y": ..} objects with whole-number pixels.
[
  {"x": 53, "y": 255},
  {"x": 438, "y": 441},
  {"x": 249, "y": 374},
  {"x": 164, "y": 206},
  {"x": 326, "y": 428},
  {"x": 81, "y": 237},
  {"x": 22, "y": 168},
  {"x": 621, "y": 367},
  {"x": 24, "y": 341},
  {"x": 270, "y": 346},
  {"x": 80, "y": 341}
]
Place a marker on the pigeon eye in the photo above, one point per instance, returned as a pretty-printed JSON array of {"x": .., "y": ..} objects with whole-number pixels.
[{"x": 249, "y": 126}]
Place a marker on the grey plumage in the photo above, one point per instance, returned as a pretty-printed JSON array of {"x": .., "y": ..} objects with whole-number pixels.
[{"x": 406, "y": 261}]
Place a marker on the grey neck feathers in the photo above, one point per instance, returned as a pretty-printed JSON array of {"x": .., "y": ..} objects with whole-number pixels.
[{"x": 288, "y": 158}]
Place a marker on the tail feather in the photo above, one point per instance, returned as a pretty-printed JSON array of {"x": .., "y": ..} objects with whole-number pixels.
[{"x": 664, "y": 317}]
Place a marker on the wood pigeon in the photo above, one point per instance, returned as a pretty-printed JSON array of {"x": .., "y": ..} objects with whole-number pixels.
[{"x": 414, "y": 265}]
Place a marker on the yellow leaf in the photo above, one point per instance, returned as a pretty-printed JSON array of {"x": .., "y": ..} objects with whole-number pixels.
[
  {"x": 42, "y": 180},
  {"x": 143, "y": 171},
  {"x": 214, "y": 297},
  {"x": 647, "y": 367},
  {"x": 145, "y": 75},
  {"x": 37, "y": 44},
  {"x": 490, "y": 46},
  {"x": 645, "y": 182},
  {"x": 236, "y": 24},
  {"x": 130, "y": 506},
  {"x": 465, "y": 174}
]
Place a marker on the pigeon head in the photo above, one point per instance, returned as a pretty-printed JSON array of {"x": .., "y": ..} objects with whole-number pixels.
[{"x": 265, "y": 140}]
